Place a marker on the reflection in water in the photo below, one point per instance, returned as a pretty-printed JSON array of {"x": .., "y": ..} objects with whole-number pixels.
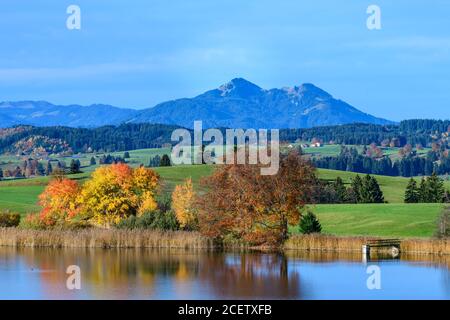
[{"x": 179, "y": 274}]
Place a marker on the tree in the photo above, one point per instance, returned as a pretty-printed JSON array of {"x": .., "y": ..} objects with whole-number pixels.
[
  {"x": 116, "y": 192},
  {"x": 126, "y": 155},
  {"x": 341, "y": 191},
  {"x": 423, "y": 191},
  {"x": 165, "y": 161},
  {"x": 40, "y": 170},
  {"x": 371, "y": 191},
  {"x": 183, "y": 198},
  {"x": 240, "y": 203},
  {"x": 309, "y": 224},
  {"x": 446, "y": 197},
  {"x": 357, "y": 186},
  {"x": 443, "y": 224},
  {"x": 155, "y": 161},
  {"x": 412, "y": 192},
  {"x": 93, "y": 162},
  {"x": 48, "y": 168},
  {"x": 75, "y": 166},
  {"x": 436, "y": 188},
  {"x": 1, "y": 174},
  {"x": 58, "y": 202}
]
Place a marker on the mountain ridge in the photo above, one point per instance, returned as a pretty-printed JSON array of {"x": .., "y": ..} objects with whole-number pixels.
[
  {"x": 242, "y": 104},
  {"x": 238, "y": 103}
]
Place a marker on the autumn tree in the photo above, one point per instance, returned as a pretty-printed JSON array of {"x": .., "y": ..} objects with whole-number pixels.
[
  {"x": 240, "y": 203},
  {"x": 183, "y": 198},
  {"x": 116, "y": 192},
  {"x": 59, "y": 201}
]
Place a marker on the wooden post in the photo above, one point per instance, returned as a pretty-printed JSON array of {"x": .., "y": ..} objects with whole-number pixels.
[{"x": 366, "y": 249}]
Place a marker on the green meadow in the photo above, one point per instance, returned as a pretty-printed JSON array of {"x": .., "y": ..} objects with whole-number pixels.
[{"x": 394, "y": 219}]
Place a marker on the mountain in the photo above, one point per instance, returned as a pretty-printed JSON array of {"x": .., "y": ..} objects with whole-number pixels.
[
  {"x": 41, "y": 113},
  {"x": 237, "y": 104},
  {"x": 242, "y": 104}
]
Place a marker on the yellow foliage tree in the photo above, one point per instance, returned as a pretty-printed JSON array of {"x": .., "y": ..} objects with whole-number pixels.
[
  {"x": 183, "y": 198},
  {"x": 116, "y": 192}
]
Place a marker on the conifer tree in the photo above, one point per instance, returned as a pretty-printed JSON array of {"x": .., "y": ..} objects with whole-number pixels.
[
  {"x": 357, "y": 186},
  {"x": 165, "y": 161},
  {"x": 48, "y": 169},
  {"x": 412, "y": 192},
  {"x": 423, "y": 191},
  {"x": 341, "y": 191},
  {"x": 309, "y": 224},
  {"x": 435, "y": 188}
]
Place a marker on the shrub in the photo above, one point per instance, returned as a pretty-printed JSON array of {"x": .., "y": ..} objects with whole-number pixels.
[
  {"x": 33, "y": 221},
  {"x": 443, "y": 225},
  {"x": 309, "y": 224},
  {"x": 9, "y": 219},
  {"x": 154, "y": 220}
]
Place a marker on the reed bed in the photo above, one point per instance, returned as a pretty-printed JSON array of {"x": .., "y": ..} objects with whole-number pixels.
[
  {"x": 103, "y": 238},
  {"x": 118, "y": 238},
  {"x": 348, "y": 244}
]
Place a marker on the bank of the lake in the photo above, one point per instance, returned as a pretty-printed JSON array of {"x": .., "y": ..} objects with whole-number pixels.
[{"x": 116, "y": 238}]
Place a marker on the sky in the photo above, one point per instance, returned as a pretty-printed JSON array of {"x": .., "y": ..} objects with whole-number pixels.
[{"x": 139, "y": 53}]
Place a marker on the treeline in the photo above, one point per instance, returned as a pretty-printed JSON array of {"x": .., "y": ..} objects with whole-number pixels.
[
  {"x": 102, "y": 139},
  {"x": 414, "y": 132},
  {"x": 361, "y": 190},
  {"x": 430, "y": 190},
  {"x": 408, "y": 165}
]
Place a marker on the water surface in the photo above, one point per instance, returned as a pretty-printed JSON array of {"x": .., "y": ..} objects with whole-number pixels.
[{"x": 178, "y": 274}]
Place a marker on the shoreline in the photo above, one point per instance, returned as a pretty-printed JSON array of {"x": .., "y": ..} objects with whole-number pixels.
[{"x": 116, "y": 239}]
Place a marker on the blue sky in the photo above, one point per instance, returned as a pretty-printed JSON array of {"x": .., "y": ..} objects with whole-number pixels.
[{"x": 139, "y": 53}]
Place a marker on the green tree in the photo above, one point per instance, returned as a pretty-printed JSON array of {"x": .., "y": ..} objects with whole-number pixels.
[
  {"x": 93, "y": 162},
  {"x": 75, "y": 166},
  {"x": 412, "y": 192},
  {"x": 309, "y": 224},
  {"x": 436, "y": 188},
  {"x": 341, "y": 191},
  {"x": 1, "y": 174},
  {"x": 126, "y": 155},
  {"x": 165, "y": 161},
  {"x": 371, "y": 191},
  {"x": 48, "y": 169},
  {"x": 423, "y": 191},
  {"x": 357, "y": 186}
]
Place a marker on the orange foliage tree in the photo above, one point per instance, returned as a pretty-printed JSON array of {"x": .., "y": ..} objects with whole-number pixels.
[
  {"x": 243, "y": 204},
  {"x": 117, "y": 191},
  {"x": 59, "y": 201},
  {"x": 183, "y": 198}
]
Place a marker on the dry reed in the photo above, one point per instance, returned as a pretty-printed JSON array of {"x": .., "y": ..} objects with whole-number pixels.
[
  {"x": 116, "y": 238},
  {"x": 338, "y": 244},
  {"x": 102, "y": 238}
]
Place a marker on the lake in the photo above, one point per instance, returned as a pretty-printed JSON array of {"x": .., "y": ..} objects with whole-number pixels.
[{"x": 178, "y": 274}]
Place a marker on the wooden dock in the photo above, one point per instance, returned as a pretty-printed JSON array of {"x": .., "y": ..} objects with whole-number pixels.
[{"x": 393, "y": 245}]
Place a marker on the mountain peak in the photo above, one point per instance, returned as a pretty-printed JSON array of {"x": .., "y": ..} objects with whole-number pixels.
[
  {"x": 307, "y": 89},
  {"x": 239, "y": 87}
]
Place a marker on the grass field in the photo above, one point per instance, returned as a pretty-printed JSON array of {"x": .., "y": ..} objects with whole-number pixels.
[
  {"x": 388, "y": 220},
  {"x": 395, "y": 219}
]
